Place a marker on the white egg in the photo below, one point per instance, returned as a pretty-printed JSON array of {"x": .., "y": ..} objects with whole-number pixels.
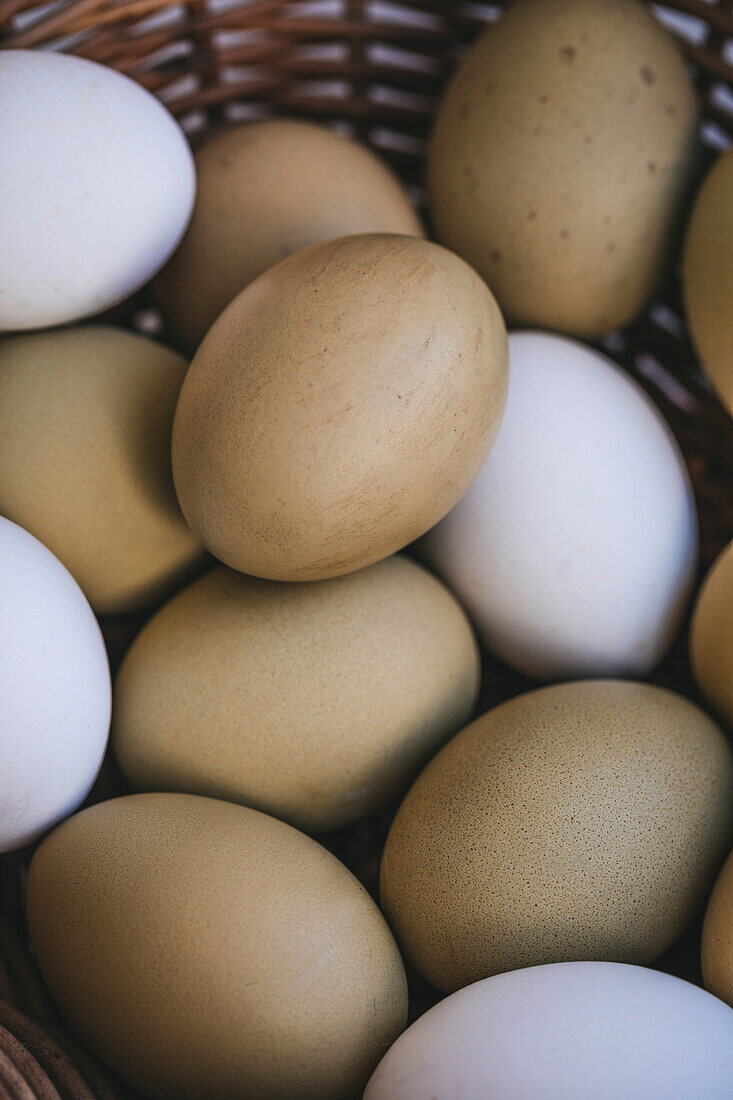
[
  {"x": 575, "y": 548},
  {"x": 97, "y": 184},
  {"x": 55, "y": 693},
  {"x": 567, "y": 1031}
]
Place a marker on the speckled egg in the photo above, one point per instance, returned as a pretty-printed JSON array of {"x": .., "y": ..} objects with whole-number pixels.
[
  {"x": 711, "y": 636},
  {"x": 717, "y": 937},
  {"x": 315, "y": 702},
  {"x": 581, "y": 821}
]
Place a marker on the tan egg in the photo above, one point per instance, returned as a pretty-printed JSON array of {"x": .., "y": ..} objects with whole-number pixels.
[
  {"x": 265, "y": 190},
  {"x": 581, "y": 821},
  {"x": 202, "y": 949},
  {"x": 339, "y": 407},
  {"x": 711, "y": 637},
  {"x": 708, "y": 276},
  {"x": 85, "y": 427},
  {"x": 559, "y": 159},
  {"x": 717, "y": 937},
  {"x": 314, "y": 702}
]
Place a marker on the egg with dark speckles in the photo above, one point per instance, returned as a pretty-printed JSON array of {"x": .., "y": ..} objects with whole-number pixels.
[
  {"x": 581, "y": 821},
  {"x": 560, "y": 156}
]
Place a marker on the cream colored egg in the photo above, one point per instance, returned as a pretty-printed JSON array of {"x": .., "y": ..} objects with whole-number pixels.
[
  {"x": 559, "y": 159},
  {"x": 711, "y": 637},
  {"x": 339, "y": 407},
  {"x": 581, "y": 821},
  {"x": 202, "y": 949},
  {"x": 265, "y": 190},
  {"x": 85, "y": 428},
  {"x": 314, "y": 702},
  {"x": 708, "y": 276}
]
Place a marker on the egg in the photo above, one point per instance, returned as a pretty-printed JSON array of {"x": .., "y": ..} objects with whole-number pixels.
[
  {"x": 55, "y": 694},
  {"x": 717, "y": 937},
  {"x": 85, "y": 429},
  {"x": 560, "y": 156},
  {"x": 97, "y": 182},
  {"x": 267, "y": 189},
  {"x": 570, "y": 1031},
  {"x": 339, "y": 407},
  {"x": 575, "y": 548},
  {"x": 708, "y": 275},
  {"x": 314, "y": 702},
  {"x": 711, "y": 636},
  {"x": 205, "y": 949},
  {"x": 580, "y": 821}
]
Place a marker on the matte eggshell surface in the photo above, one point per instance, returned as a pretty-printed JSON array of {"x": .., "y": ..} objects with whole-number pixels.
[
  {"x": 97, "y": 183},
  {"x": 202, "y": 949},
  {"x": 580, "y": 821},
  {"x": 315, "y": 702},
  {"x": 711, "y": 636},
  {"x": 574, "y": 1031},
  {"x": 708, "y": 276},
  {"x": 85, "y": 427},
  {"x": 339, "y": 407},
  {"x": 717, "y": 937},
  {"x": 265, "y": 190},
  {"x": 560, "y": 155},
  {"x": 575, "y": 548},
  {"x": 54, "y": 690}
]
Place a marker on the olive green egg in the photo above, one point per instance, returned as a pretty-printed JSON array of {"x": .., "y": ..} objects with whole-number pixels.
[
  {"x": 85, "y": 429},
  {"x": 581, "y": 821},
  {"x": 202, "y": 949},
  {"x": 314, "y": 702},
  {"x": 265, "y": 190},
  {"x": 559, "y": 159},
  {"x": 711, "y": 637},
  {"x": 708, "y": 276},
  {"x": 339, "y": 407}
]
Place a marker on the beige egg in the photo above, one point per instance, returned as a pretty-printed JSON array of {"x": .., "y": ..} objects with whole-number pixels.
[
  {"x": 717, "y": 937},
  {"x": 339, "y": 407},
  {"x": 265, "y": 190},
  {"x": 708, "y": 276},
  {"x": 711, "y": 637},
  {"x": 560, "y": 155},
  {"x": 202, "y": 949},
  {"x": 581, "y": 821},
  {"x": 314, "y": 702},
  {"x": 85, "y": 428}
]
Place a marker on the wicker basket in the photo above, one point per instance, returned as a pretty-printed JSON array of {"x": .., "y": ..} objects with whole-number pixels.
[{"x": 375, "y": 68}]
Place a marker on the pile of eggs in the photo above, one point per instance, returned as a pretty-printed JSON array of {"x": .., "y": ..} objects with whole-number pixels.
[{"x": 353, "y": 392}]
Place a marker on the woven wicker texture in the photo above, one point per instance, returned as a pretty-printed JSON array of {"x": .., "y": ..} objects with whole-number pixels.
[{"x": 375, "y": 69}]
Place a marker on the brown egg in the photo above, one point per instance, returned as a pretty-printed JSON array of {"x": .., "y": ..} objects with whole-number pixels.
[
  {"x": 314, "y": 702},
  {"x": 85, "y": 428},
  {"x": 339, "y": 407},
  {"x": 708, "y": 276},
  {"x": 717, "y": 937},
  {"x": 265, "y": 190},
  {"x": 560, "y": 155},
  {"x": 202, "y": 949},
  {"x": 581, "y": 821},
  {"x": 711, "y": 637}
]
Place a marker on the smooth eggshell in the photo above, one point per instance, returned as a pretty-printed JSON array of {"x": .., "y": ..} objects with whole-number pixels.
[
  {"x": 85, "y": 428},
  {"x": 55, "y": 694},
  {"x": 265, "y": 190},
  {"x": 339, "y": 407},
  {"x": 575, "y": 548},
  {"x": 711, "y": 636},
  {"x": 202, "y": 949},
  {"x": 580, "y": 821},
  {"x": 97, "y": 182},
  {"x": 561, "y": 153},
  {"x": 708, "y": 276},
  {"x": 717, "y": 937},
  {"x": 573, "y": 1031},
  {"x": 314, "y": 702}
]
